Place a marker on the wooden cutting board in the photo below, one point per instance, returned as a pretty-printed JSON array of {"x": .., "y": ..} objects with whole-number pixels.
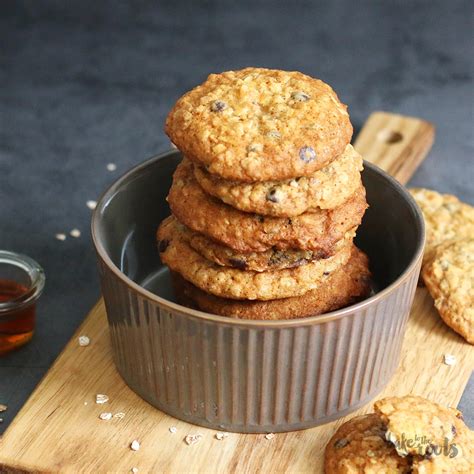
[{"x": 59, "y": 427}]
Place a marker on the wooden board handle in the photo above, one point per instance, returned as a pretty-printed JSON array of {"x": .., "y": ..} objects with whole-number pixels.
[{"x": 396, "y": 143}]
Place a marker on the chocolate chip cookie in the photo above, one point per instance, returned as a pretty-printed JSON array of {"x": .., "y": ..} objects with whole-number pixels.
[
  {"x": 325, "y": 189},
  {"x": 449, "y": 277},
  {"x": 415, "y": 425},
  {"x": 245, "y": 232},
  {"x": 239, "y": 284},
  {"x": 256, "y": 261},
  {"x": 341, "y": 288},
  {"x": 260, "y": 125},
  {"x": 446, "y": 218},
  {"x": 359, "y": 446}
]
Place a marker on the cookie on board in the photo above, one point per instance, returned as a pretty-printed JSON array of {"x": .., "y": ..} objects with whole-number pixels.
[
  {"x": 415, "y": 425},
  {"x": 446, "y": 218},
  {"x": 359, "y": 446},
  {"x": 449, "y": 277}
]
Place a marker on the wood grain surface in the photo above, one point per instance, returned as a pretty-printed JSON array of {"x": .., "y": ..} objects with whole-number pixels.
[{"x": 59, "y": 428}]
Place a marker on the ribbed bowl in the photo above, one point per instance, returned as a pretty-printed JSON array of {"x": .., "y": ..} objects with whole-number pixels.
[{"x": 251, "y": 376}]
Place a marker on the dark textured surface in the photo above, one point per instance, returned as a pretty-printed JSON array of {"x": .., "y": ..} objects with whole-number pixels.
[{"x": 86, "y": 83}]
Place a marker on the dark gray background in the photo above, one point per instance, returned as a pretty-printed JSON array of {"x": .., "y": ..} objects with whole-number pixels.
[{"x": 85, "y": 83}]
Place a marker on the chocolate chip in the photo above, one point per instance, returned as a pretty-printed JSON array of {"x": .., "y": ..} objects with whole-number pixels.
[
  {"x": 326, "y": 274},
  {"x": 163, "y": 245},
  {"x": 307, "y": 154},
  {"x": 271, "y": 195},
  {"x": 290, "y": 222},
  {"x": 300, "y": 96},
  {"x": 454, "y": 430},
  {"x": 277, "y": 257},
  {"x": 341, "y": 443},
  {"x": 237, "y": 263},
  {"x": 261, "y": 219},
  {"x": 218, "y": 106}
]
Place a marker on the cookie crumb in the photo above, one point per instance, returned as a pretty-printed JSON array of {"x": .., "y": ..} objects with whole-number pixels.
[
  {"x": 3, "y": 408},
  {"x": 105, "y": 416},
  {"x": 269, "y": 435},
  {"x": 449, "y": 359},
  {"x": 1, "y": 420},
  {"x": 192, "y": 439},
  {"x": 76, "y": 233},
  {"x": 135, "y": 445},
  {"x": 111, "y": 167},
  {"x": 220, "y": 436},
  {"x": 134, "y": 470},
  {"x": 101, "y": 398},
  {"x": 172, "y": 429},
  {"x": 60, "y": 236},
  {"x": 119, "y": 415},
  {"x": 91, "y": 204},
  {"x": 83, "y": 341}
]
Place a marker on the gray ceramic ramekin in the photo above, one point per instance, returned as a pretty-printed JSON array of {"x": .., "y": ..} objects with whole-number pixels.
[{"x": 251, "y": 376}]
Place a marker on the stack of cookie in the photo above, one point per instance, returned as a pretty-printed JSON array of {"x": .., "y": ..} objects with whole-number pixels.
[{"x": 267, "y": 199}]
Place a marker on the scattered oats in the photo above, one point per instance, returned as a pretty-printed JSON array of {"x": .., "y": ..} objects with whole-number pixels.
[
  {"x": 75, "y": 233},
  {"x": 270, "y": 435},
  {"x": 3, "y": 408},
  {"x": 91, "y": 204},
  {"x": 105, "y": 416},
  {"x": 119, "y": 415},
  {"x": 173, "y": 429},
  {"x": 83, "y": 341},
  {"x": 101, "y": 399},
  {"x": 111, "y": 166},
  {"x": 449, "y": 359},
  {"x": 134, "y": 470},
  {"x": 220, "y": 436},
  {"x": 192, "y": 439},
  {"x": 135, "y": 445},
  {"x": 60, "y": 236}
]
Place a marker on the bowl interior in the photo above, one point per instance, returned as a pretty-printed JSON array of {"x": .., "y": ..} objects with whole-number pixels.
[{"x": 126, "y": 219}]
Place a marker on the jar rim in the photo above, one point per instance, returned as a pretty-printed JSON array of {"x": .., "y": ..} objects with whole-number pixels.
[{"x": 35, "y": 273}]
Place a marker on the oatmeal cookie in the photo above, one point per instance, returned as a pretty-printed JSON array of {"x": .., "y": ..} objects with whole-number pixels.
[
  {"x": 256, "y": 261},
  {"x": 245, "y": 232},
  {"x": 260, "y": 125},
  {"x": 415, "y": 425},
  {"x": 456, "y": 457},
  {"x": 343, "y": 287},
  {"x": 325, "y": 189},
  {"x": 449, "y": 277},
  {"x": 446, "y": 218},
  {"x": 359, "y": 446},
  {"x": 239, "y": 284}
]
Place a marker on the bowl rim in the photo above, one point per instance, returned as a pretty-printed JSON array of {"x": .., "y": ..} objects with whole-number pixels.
[{"x": 110, "y": 192}]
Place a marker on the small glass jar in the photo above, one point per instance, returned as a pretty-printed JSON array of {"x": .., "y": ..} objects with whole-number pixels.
[{"x": 21, "y": 283}]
